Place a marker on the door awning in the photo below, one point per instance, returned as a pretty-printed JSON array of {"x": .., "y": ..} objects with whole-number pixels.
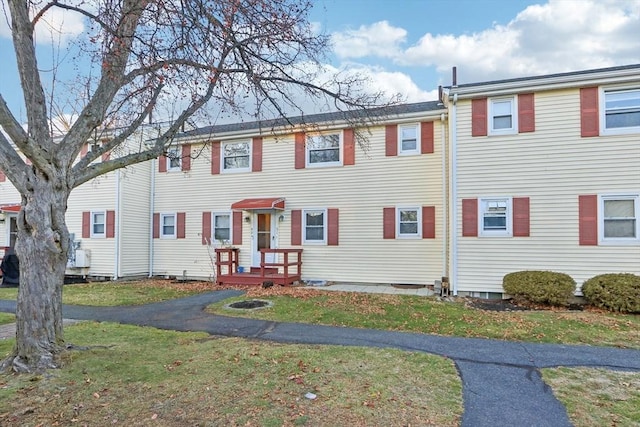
[
  {"x": 259, "y": 203},
  {"x": 10, "y": 208}
]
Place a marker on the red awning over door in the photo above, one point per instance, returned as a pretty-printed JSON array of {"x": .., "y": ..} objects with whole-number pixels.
[
  {"x": 10, "y": 208},
  {"x": 259, "y": 203}
]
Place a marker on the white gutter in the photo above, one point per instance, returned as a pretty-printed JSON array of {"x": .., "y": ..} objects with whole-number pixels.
[
  {"x": 118, "y": 227},
  {"x": 453, "y": 118},
  {"x": 152, "y": 198},
  {"x": 445, "y": 203}
]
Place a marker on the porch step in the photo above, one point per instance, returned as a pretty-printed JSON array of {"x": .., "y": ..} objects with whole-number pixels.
[{"x": 268, "y": 270}]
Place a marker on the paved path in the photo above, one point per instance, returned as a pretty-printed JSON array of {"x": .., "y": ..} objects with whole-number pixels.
[{"x": 502, "y": 385}]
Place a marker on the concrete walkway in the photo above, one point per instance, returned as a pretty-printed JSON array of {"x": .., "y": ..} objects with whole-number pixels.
[{"x": 501, "y": 380}]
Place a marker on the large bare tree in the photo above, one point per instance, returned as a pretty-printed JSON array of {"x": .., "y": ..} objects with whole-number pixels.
[{"x": 138, "y": 56}]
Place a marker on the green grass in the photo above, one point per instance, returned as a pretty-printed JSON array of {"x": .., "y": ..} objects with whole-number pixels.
[
  {"x": 597, "y": 397},
  {"x": 6, "y": 318},
  {"x": 121, "y": 293},
  {"x": 428, "y": 315},
  {"x": 143, "y": 376}
]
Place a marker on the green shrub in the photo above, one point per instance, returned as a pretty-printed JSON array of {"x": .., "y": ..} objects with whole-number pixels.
[
  {"x": 616, "y": 292},
  {"x": 540, "y": 287}
]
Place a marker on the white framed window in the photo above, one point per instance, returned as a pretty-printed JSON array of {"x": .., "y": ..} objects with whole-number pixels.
[
  {"x": 174, "y": 159},
  {"x": 619, "y": 219},
  {"x": 314, "y": 226},
  {"x": 503, "y": 119},
  {"x": 494, "y": 218},
  {"x": 408, "y": 222},
  {"x": 168, "y": 225},
  {"x": 98, "y": 224},
  {"x": 619, "y": 110},
  {"x": 236, "y": 156},
  {"x": 409, "y": 139},
  {"x": 324, "y": 149},
  {"x": 221, "y": 227}
]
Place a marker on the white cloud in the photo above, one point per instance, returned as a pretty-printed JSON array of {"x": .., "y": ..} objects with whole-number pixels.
[
  {"x": 379, "y": 39},
  {"x": 55, "y": 25},
  {"x": 557, "y": 36}
]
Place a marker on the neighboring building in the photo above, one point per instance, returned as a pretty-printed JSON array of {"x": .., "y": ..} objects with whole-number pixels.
[
  {"x": 545, "y": 176},
  {"x": 374, "y": 215}
]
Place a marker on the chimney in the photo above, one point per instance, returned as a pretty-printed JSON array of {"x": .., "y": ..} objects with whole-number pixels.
[{"x": 455, "y": 76}]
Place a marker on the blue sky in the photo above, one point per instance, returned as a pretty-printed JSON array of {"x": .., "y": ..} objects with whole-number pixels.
[{"x": 410, "y": 46}]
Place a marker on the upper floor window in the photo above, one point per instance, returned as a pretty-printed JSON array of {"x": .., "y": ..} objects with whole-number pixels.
[
  {"x": 620, "y": 218},
  {"x": 502, "y": 116},
  {"x": 174, "y": 159},
  {"x": 409, "y": 139},
  {"x": 222, "y": 227},
  {"x": 98, "y": 224},
  {"x": 495, "y": 217},
  {"x": 315, "y": 227},
  {"x": 324, "y": 150},
  {"x": 620, "y": 111},
  {"x": 168, "y": 226},
  {"x": 408, "y": 222},
  {"x": 236, "y": 156}
]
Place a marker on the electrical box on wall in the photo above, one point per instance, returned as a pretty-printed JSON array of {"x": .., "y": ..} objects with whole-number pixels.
[{"x": 83, "y": 258}]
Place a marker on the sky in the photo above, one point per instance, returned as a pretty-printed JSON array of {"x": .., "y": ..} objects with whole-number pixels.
[{"x": 410, "y": 46}]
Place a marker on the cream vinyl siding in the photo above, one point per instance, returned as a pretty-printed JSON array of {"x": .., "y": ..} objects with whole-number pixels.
[
  {"x": 98, "y": 194},
  {"x": 552, "y": 166},
  {"x": 135, "y": 219},
  {"x": 360, "y": 192},
  {"x": 8, "y": 195}
]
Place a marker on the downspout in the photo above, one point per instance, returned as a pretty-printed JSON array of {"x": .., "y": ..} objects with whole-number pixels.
[
  {"x": 152, "y": 197},
  {"x": 453, "y": 219},
  {"x": 445, "y": 190},
  {"x": 118, "y": 226}
]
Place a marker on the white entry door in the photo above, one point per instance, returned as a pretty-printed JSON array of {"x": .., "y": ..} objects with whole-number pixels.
[{"x": 263, "y": 236}]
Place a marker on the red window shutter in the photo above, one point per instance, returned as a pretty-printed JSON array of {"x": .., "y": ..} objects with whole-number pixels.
[
  {"x": 428, "y": 222},
  {"x": 237, "y": 228},
  {"x": 526, "y": 113},
  {"x": 588, "y": 220},
  {"x": 391, "y": 141},
  {"x": 3, "y": 177},
  {"x": 521, "y": 217},
  {"x": 296, "y": 227},
  {"x": 349, "y": 147},
  {"x": 389, "y": 223},
  {"x": 589, "y": 118},
  {"x": 162, "y": 163},
  {"x": 479, "y": 117},
  {"x": 86, "y": 225},
  {"x": 84, "y": 150},
  {"x": 256, "y": 152},
  {"x": 469, "y": 217},
  {"x": 426, "y": 137},
  {"x": 156, "y": 225},
  {"x": 215, "y": 157},
  {"x": 180, "y": 225},
  {"x": 333, "y": 227},
  {"x": 106, "y": 156},
  {"x": 111, "y": 224},
  {"x": 206, "y": 228},
  {"x": 300, "y": 150},
  {"x": 185, "y": 164}
]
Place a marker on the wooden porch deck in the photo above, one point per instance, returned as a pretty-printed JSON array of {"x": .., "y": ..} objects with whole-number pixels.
[{"x": 278, "y": 273}]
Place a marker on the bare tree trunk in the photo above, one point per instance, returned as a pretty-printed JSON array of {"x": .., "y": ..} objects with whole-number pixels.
[{"x": 41, "y": 246}]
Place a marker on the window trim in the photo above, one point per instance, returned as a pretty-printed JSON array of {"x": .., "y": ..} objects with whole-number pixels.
[
  {"x": 602, "y": 110},
  {"x": 508, "y": 232},
  {"x": 325, "y": 226},
  {"x": 307, "y": 150},
  {"x": 415, "y": 151},
  {"x": 92, "y": 233},
  {"x": 222, "y": 156},
  {"x": 618, "y": 241},
  {"x": 178, "y": 154},
  {"x": 175, "y": 225},
  {"x": 213, "y": 226},
  {"x": 418, "y": 234},
  {"x": 514, "y": 116}
]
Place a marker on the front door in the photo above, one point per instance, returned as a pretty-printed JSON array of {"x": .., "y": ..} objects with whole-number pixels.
[
  {"x": 264, "y": 236},
  {"x": 13, "y": 229}
]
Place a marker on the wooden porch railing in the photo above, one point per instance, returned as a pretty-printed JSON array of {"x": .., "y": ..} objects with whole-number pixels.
[{"x": 286, "y": 272}]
